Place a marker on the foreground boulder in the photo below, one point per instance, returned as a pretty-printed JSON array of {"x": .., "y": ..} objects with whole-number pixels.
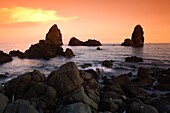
[
  {"x": 3, "y": 102},
  {"x": 4, "y": 58},
  {"x": 76, "y": 42},
  {"x": 137, "y": 38}
]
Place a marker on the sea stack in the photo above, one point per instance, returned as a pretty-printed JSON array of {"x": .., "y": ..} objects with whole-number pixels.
[
  {"x": 54, "y": 36},
  {"x": 137, "y": 36}
]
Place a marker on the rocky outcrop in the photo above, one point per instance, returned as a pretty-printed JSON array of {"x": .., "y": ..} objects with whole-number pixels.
[
  {"x": 137, "y": 38},
  {"x": 107, "y": 63},
  {"x": 76, "y": 42},
  {"x": 127, "y": 42},
  {"x": 91, "y": 42},
  {"x": 46, "y": 49},
  {"x": 4, "y": 58},
  {"x": 54, "y": 36}
]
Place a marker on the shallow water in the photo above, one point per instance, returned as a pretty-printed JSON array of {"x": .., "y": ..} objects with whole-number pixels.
[{"x": 154, "y": 55}]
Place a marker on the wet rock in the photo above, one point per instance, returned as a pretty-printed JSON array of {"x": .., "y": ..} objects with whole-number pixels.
[
  {"x": 75, "y": 42},
  {"x": 164, "y": 79},
  {"x": 69, "y": 53},
  {"x": 54, "y": 36},
  {"x": 122, "y": 79},
  {"x": 4, "y": 58},
  {"x": 3, "y": 76},
  {"x": 143, "y": 73},
  {"x": 133, "y": 59},
  {"x": 132, "y": 90},
  {"x": 65, "y": 79},
  {"x": 20, "y": 107},
  {"x": 17, "y": 87},
  {"x": 3, "y": 102},
  {"x": 111, "y": 95},
  {"x": 137, "y": 36},
  {"x": 142, "y": 108},
  {"x": 85, "y": 75},
  {"x": 76, "y": 108},
  {"x": 16, "y": 53},
  {"x": 86, "y": 65},
  {"x": 98, "y": 48},
  {"x": 107, "y": 63},
  {"x": 127, "y": 42}
]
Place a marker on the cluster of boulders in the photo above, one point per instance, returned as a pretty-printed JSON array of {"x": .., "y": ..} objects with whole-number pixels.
[
  {"x": 76, "y": 42},
  {"x": 137, "y": 38},
  {"x": 69, "y": 90}
]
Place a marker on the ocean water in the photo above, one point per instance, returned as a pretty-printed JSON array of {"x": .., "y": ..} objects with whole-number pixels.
[{"x": 154, "y": 55}]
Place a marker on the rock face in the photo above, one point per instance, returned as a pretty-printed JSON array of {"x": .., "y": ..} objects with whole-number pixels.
[
  {"x": 137, "y": 36},
  {"x": 54, "y": 36},
  {"x": 4, "y": 57},
  {"x": 76, "y": 42},
  {"x": 46, "y": 49}
]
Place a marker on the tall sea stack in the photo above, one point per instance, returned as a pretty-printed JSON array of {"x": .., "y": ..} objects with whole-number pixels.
[
  {"x": 137, "y": 36},
  {"x": 54, "y": 36}
]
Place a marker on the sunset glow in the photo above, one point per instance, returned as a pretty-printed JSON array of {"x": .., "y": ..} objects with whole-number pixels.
[
  {"x": 23, "y": 14},
  {"x": 109, "y": 21}
]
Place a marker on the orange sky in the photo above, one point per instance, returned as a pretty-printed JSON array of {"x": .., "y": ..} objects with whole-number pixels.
[{"x": 109, "y": 21}]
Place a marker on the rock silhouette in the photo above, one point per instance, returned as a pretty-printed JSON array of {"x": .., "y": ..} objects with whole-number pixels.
[
  {"x": 76, "y": 42},
  {"x": 137, "y": 38},
  {"x": 4, "y": 57}
]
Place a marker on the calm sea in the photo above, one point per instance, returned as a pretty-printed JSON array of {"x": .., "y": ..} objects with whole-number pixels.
[{"x": 154, "y": 55}]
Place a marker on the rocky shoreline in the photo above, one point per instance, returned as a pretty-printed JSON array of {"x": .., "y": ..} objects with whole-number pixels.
[{"x": 70, "y": 90}]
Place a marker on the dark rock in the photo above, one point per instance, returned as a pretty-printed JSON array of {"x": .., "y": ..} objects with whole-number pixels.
[
  {"x": 164, "y": 79},
  {"x": 20, "y": 107},
  {"x": 43, "y": 49},
  {"x": 107, "y": 63},
  {"x": 16, "y": 53},
  {"x": 94, "y": 74},
  {"x": 3, "y": 102},
  {"x": 98, "y": 48},
  {"x": 162, "y": 104},
  {"x": 86, "y": 65},
  {"x": 76, "y": 108},
  {"x": 132, "y": 90},
  {"x": 127, "y": 42},
  {"x": 142, "y": 108},
  {"x": 91, "y": 42},
  {"x": 162, "y": 87},
  {"x": 54, "y": 36},
  {"x": 4, "y": 58},
  {"x": 75, "y": 42},
  {"x": 106, "y": 105},
  {"x": 137, "y": 36},
  {"x": 85, "y": 75},
  {"x": 65, "y": 79},
  {"x": 133, "y": 59},
  {"x": 143, "y": 73},
  {"x": 3, "y": 76},
  {"x": 17, "y": 87},
  {"x": 111, "y": 95},
  {"x": 69, "y": 53},
  {"x": 122, "y": 79}
]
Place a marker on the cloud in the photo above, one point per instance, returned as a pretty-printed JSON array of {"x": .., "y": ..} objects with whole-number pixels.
[{"x": 23, "y": 14}]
